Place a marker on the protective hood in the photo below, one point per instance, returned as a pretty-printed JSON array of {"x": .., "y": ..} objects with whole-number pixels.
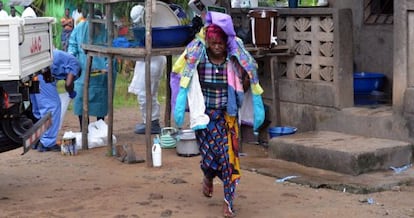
[{"x": 137, "y": 14}]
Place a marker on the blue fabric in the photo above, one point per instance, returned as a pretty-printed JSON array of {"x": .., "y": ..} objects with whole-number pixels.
[
  {"x": 65, "y": 38},
  {"x": 180, "y": 103},
  {"x": 259, "y": 111},
  {"x": 63, "y": 64},
  {"x": 214, "y": 145},
  {"x": 47, "y": 101},
  {"x": 122, "y": 42},
  {"x": 178, "y": 10},
  {"x": 72, "y": 94},
  {"x": 98, "y": 83},
  {"x": 234, "y": 100}
]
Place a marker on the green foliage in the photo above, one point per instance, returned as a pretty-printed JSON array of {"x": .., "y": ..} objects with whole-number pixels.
[
  {"x": 52, "y": 8},
  {"x": 122, "y": 9},
  {"x": 121, "y": 97},
  {"x": 57, "y": 10}
]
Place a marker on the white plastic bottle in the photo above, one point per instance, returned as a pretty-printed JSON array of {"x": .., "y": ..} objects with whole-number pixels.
[{"x": 156, "y": 153}]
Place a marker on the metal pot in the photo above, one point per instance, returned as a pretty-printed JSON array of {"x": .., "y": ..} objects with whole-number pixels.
[{"x": 186, "y": 144}]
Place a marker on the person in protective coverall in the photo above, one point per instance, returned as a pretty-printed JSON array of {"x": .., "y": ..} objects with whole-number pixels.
[
  {"x": 137, "y": 85},
  {"x": 65, "y": 67},
  {"x": 98, "y": 83}
]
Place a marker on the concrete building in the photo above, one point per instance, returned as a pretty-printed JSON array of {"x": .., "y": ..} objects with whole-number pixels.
[{"x": 315, "y": 90}]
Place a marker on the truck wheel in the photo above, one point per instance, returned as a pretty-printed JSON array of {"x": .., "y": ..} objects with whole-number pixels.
[{"x": 14, "y": 128}]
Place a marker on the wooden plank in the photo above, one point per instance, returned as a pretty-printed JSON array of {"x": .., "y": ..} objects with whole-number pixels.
[
  {"x": 279, "y": 50},
  {"x": 110, "y": 1},
  {"x": 132, "y": 52}
]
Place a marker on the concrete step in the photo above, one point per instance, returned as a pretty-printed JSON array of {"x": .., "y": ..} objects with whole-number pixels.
[
  {"x": 374, "y": 121},
  {"x": 340, "y": 152}
]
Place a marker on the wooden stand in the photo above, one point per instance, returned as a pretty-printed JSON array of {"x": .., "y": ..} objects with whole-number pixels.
[{"x": 135, "y": 53}]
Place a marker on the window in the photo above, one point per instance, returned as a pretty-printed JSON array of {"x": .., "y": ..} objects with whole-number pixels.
[{"x": 378, "y": 11}]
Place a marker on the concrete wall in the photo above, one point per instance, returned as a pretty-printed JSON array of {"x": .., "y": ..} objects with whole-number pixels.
[
  {"x": 403, "y": 89},
  {"x": 318, "y": 76},
  {"x": 304, "y": 102},
  {"x": 373, "y": 43}
]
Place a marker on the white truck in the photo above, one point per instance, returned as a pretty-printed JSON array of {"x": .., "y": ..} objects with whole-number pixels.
[{"x": 25, "y": 49}]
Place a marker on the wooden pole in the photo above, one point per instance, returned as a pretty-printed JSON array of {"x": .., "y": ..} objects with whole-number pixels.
[
  {"x": 85, "y": 113},
  {"x": 167, "y": 114},
  {"x": 89, "y": 59},
  {"x": 110, "y": 31},
  {"x": 110, "y": 105},
  {"x": 148, "y": 47}
]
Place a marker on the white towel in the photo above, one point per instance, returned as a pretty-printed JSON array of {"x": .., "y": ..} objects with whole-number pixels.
[
  {"x": 198, "y": 118},
  {"x": 64, "y": 102}
]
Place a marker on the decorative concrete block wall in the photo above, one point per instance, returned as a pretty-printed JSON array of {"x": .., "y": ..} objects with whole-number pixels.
[
  {"x": 320, "y": 73},
  {"x": 318, "y": 78}
]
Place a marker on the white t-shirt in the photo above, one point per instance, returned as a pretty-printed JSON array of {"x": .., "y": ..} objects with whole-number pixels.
[
  {"x": 29, "y": 13},
  {"x": 76, "y": 15},
  {"x": 3, "y": 14}
]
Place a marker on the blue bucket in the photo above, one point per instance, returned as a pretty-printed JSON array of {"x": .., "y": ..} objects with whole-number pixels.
[
  {"x": 165, "y": 37},
  {"x": 281, "y": 130},
  {"x": 366, "y": 82}
]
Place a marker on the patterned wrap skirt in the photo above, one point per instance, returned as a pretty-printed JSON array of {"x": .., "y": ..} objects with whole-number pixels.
[{"x": 219, "y": 148}]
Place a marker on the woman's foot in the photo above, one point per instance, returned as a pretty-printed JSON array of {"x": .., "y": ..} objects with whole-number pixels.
[
  {"x": 227, "y": 211},
  {"x": 208, "y": 187}
]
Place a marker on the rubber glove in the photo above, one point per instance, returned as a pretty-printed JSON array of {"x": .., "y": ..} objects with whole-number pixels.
[
  {"x": 72, "y": 94},
  {"x": 259, "y": 112},
  {"x": 179, "y": 110}
]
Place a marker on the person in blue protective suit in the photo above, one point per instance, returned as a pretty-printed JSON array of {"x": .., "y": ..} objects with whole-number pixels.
[
  {"x": 98, "y": 83},
  {"x": 65, "y": 67},
  {"x": 217, "y": 73}
]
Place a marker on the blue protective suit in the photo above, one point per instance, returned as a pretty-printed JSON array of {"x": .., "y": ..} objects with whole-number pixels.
[
  {"x": 48, "y": 99},
  {"x": 98, "y": 83}
]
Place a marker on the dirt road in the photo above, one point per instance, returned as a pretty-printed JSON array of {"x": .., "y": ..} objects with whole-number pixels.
[{"x": 92, "y": 184}]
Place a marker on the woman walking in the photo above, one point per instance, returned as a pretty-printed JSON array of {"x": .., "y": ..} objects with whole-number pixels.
[{"x": 216, "y": 66}]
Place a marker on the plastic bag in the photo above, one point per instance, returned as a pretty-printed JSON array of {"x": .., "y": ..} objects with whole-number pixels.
[
  {"x": 246, "y": 112},
  {"x": 98, "y": 134}
]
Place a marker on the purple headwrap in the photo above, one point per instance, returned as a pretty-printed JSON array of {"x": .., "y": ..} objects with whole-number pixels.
[{"x": 225, "y": 22}]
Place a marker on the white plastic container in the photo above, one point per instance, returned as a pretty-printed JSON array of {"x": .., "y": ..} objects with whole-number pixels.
[
  {"x": 68, "y": 146},
  {"x": 156, "y": 153}
]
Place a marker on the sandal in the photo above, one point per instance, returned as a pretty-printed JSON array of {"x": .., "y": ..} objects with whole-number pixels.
[
  {"x": 227, "y": 211},
  {"x": 207, "y": 187}
]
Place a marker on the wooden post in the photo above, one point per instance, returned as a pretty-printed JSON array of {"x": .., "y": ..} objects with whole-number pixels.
[
  {"x": 110, "y": 105},
  {"x": 110, "y": 31},
  {"x": 274, "y": 75},
  {"x": 167, "y": 114},
  {"x": 85, "y": 113},
  {"x": 148, "y": 47}
]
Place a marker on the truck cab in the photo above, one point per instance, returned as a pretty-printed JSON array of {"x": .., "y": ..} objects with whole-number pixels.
[{"x": 26, "y": 49}]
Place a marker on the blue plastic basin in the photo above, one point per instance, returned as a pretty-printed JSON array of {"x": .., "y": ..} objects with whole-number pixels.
[
  {"x": 165, "y": 37},
  {"x": 366, "y": 82},
  {"x": 281, "y": 130}
]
